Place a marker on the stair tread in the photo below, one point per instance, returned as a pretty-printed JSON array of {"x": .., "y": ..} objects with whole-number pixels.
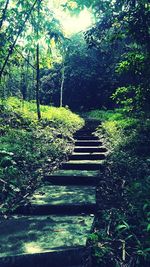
[
  {"x": 88, "y": 154},
  {"x": 90, "y": 162},
  {"x": 63, "y": 195},
  {"x": 83, "y": 165},
  {"x": 88, "y": 141},
  {"x": 85, "y": 137},
  {"x": 83, "y": 173},
  {"x": 91, "y": 147},
  {"x": 37, "y": 234},
  {"x": 72, "y": 180}
]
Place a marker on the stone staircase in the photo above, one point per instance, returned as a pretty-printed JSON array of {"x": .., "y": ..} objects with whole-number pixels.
[{"x": 52, "y": 230}]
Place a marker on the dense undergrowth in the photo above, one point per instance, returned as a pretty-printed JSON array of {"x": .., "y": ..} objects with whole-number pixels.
[
  {"x": 122, "y": 230},
  {"x": 30, "y": 149}
]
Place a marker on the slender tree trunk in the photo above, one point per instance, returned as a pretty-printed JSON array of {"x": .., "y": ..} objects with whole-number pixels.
[
  {"x": 38, "y": 67},
  {"x": 27, "y": 77},
  {"x": 38, "y": 83},
  {"x": 23, "y": 83},
  {"x": 32, "y": 91},
  {"x": 62, "y": 86}
]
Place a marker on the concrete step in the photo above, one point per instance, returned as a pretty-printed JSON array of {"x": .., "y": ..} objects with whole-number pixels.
[
  {"x": 72, "y": 180},
  {"x": 83, "y": 165},
  {"x": 44, "y": 241},
  {"x": 84, "y": 132},
  {"x": 73, "y": 177},
  {"x": 62, "y": 209},
  {"x": 87, "y": 156},
  {"x": 82, "y": 149},
  {"x": 54, "y": 199},
  {"x": 88, "y": 143},
  {"x": 85, "y": 137},
  {"x": 57, "y": 195},
  {"x": 75, "y": 173}
]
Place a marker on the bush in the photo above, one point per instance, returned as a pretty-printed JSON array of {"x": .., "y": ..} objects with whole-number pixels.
[
  {"x": 30, "y": 149},
  {"x": 122, "y": 233}
]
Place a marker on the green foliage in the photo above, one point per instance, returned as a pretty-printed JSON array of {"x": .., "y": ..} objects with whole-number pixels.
[
  {"x": 133, "y": 97},
  {"x": 123, "y": 27},
  {"x": 123, "y": 196},
  {"x": 94, "y": 76},
  {"x": 102, "y": 115},
  {"x": 30, "y": 149},
  {"x": 125, "y": 97},
  {"x": 134, "y": 62}
]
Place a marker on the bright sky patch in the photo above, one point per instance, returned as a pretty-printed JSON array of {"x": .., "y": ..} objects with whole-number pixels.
[{"x": 72, "y": 23}]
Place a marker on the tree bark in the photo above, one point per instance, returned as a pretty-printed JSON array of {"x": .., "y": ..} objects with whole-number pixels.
[
  {"x": 38, "y": 83},
  {"x": 38, "y": 66},
  {"x": 62, "y": 86}
]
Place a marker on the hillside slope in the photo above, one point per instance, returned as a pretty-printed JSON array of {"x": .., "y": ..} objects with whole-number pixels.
[{"x": 29, "y": 149}]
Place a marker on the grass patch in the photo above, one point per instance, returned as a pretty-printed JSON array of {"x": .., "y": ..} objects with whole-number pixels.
[
  {"x": 30, "y": 149},
  {"x": 103, "y": 115}
]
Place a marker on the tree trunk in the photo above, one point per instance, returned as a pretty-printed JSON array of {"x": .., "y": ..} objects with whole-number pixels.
[
  {"x": 24, "y": 85},
  {"x": 32, "y": 91},
  {"x": 26, "y": 76},
  {"x": 38, "y": 83},
  {"x": 37, "y": 66},
  {"x": 62, "y": 86}
]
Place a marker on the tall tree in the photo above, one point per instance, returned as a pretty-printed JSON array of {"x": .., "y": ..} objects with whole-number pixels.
[{"x": 37, "y": 63}]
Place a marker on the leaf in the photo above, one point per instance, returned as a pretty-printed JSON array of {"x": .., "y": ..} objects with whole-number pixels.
[
  {"x": 122, "y": 226},
  {"x": 147, "y": 249},
  {"x": 128, "y": 237},
  {"x": 148, "y": 227}
]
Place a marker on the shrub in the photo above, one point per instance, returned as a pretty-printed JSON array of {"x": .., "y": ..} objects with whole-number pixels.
[
  {"x": 121, "y": 235},
  {"x": 30, "y": 149}
]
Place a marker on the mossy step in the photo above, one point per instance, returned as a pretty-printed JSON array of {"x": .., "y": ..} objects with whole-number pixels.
[
  {"x": 44, "y": 241},
  {"x": 57, "y": 195},
  {"x": 83, "y": 165},
  {"x": 72, "y": 180},
  {"x": 74, "y": 177},
  {"x": 83, "y": 173},
  {"x": 85, "y": 132},
  {"x": 62, "y": 209},
  {"x": 85, "y": 137},
  {"x": 54, "y": 199},
  {"x": 83, "y": 149},
  {"x": 88, "y": 143},
  {"x": 87, "y": 156}
]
